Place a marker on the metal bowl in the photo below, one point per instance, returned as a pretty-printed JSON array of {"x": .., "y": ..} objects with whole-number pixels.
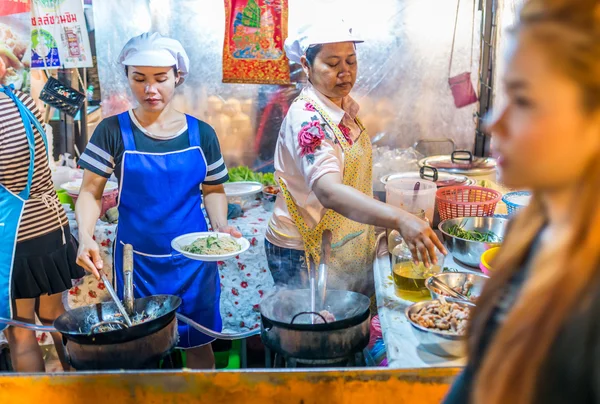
[
  {"x": 455, "y": 280},
  {"x": 466, "y": 251},
  {"x": 268, "y": 200},
  {"x": 437, "y": 342}
]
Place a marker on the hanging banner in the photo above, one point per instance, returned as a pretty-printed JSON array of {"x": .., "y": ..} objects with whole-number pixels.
[
  {"x": 15, "y": 50},
  {"x": 254, "y": 35},
  {"x": 59, "y": 35}
]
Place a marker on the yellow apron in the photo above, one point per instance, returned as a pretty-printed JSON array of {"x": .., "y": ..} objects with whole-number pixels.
[{"x": 353, "y": 243}]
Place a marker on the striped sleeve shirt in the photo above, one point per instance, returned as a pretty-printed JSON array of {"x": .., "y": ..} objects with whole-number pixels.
[
  {"x": 43, "y": 212},
  {"x": 104, "y": 152}
]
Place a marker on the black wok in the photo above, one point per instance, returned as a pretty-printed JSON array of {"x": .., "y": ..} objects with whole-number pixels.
[
  {"x": 286, "y": 326},
  {"x": 76, "y": 325}
]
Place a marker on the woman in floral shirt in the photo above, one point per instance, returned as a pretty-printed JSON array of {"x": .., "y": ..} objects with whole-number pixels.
[{"x": 323, "y": 163}]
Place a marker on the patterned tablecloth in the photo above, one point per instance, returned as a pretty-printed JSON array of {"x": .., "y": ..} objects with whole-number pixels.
[{"x": 244, "y": 279}]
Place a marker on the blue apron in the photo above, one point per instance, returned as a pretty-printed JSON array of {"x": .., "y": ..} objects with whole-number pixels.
[
  {"x": 11, "y": 209},
  {"x": 160, "y": 199}
]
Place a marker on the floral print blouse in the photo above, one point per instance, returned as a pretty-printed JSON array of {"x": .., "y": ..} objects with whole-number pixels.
[{"x": 306, "y": 150}]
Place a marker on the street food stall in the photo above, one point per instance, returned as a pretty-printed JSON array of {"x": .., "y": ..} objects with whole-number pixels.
[{"x": 418, "y": 136}]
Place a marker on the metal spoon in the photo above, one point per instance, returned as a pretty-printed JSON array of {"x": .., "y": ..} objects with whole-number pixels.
[
  {"x": 313, "y": 287},
  {"x": 325, "y": 255},
  {"x": 115, "y": 298},
  {"x": 448, "y": 290}
]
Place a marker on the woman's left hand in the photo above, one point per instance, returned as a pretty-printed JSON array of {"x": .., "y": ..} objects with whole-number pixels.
[{"x": 233, "y": 231}]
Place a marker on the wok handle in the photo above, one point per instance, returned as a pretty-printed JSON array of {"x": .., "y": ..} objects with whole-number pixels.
[
  {"x": 28, "y": 326},
  {"x": 214, "y": 334},
  {"x": 308, "y": 312},
  {"x": 267, "y": 325}
]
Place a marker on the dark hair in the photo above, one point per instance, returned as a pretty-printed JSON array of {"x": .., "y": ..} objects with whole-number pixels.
[
  {"x": 127, "y": 70},
  {"x": 312, "y": 52}
]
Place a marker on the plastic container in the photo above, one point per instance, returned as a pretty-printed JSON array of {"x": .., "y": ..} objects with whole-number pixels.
[
  {"x": 463, "y": 201},
  {"x": 229, "y": 359},
  {"x": 65, "y": 198},
  {"x": 401, "y": 193},
  {"x": 516, "y": 201},
  {"x": 109, "y": 200},
  {"x": 269, "y": 196},
  {"x": 486, "y": 259}
]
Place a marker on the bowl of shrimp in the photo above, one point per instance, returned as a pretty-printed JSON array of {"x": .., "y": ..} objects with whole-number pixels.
[{"x": 440, "y": 325}]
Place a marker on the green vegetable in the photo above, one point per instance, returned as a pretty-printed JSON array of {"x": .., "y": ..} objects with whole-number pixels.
[
  {"x": 474, "y": 235},
  {"x": 268, "y": 179},
  {"x": 243, "y": 173}
]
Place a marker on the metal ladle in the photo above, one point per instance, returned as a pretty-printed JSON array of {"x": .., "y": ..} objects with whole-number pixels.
[
  {"x": 325, "y": 255},
  {"x": 127, "y": 267},
  {"x": 115, "y": 298}
]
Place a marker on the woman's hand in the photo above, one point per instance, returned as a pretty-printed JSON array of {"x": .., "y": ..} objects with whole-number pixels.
[
  {"x": 216, "y": 207},
  {"x": 88, "y": 256},
  {"x": 233, "y": 231},
  {"x": 87, "y": 212},
  {"x": 420, "y": 238},
  {"x": 355, "y": 205}
]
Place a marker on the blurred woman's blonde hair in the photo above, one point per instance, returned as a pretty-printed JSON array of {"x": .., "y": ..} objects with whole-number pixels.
[{"x": 568, "y": 31}]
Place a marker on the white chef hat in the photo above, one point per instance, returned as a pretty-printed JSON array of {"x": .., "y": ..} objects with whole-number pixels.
[
  {"x": 321, "y": 31},
  {"x": 153, "y": 49}
]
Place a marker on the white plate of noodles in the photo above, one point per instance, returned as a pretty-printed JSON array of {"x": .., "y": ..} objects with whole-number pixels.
[{"x": 210, "y": 246}]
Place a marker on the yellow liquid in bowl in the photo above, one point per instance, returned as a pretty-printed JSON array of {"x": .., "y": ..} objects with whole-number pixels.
[{"x": 409, "y": 280}]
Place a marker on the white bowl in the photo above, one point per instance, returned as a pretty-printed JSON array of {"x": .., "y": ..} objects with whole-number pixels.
[
  {"x": 242, "y": 189},
  {"x": 73, "y": 187},
  {"x": 179, "y": 242}
]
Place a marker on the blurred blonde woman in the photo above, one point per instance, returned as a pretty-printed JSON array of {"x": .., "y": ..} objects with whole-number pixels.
[{"x": 535, "y": 336}]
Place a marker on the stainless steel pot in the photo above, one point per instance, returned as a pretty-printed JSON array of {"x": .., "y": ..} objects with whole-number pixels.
[
  {"x": 463, "y": 163},
  {"x": 286, "y": 324},
  {"x": 441, "y": 179}
]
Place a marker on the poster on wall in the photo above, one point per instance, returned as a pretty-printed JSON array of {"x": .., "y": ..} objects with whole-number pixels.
[
  {"x": 15, "y": 50},
  {"x": 254, "y": 35},
  {"x": 59, "y": 35}
]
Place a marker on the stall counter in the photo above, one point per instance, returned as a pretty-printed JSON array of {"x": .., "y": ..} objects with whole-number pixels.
[{"x": 403, "y": 350}]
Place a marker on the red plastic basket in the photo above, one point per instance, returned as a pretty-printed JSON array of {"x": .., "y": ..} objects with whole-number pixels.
[{"x": 462, "y": 201}]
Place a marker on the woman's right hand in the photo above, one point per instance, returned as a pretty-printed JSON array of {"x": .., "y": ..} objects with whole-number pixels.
[
  {"x": 88, "y": 256},
  {"x": 420, "y": 238}
]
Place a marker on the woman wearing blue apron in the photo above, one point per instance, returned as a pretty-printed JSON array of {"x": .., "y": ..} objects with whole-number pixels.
[
  {"x": 168, "y": 164},
  {"x": 37, "y": 252}
]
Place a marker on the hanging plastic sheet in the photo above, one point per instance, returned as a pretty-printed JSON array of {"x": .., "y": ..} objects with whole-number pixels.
[
  {"x": 402, "y": 84},
  {"x": 507, "y": 12}
]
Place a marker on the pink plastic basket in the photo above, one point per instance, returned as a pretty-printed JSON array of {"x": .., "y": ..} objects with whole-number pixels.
[
  {"x": 109, "y": 200},
  {"x": 462, "y": 201}
]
